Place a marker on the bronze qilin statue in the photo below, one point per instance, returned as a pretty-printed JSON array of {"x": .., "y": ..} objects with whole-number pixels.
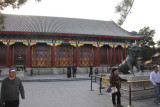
[{"x": 131, "y": 60}]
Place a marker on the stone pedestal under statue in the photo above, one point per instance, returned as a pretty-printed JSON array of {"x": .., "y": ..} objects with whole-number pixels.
[
  {"x": 140, "y": 86},
  {"x": 140, "y": 82}
]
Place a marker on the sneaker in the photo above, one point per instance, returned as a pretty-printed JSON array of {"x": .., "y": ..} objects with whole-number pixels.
[{"x": 119, "y": 105}]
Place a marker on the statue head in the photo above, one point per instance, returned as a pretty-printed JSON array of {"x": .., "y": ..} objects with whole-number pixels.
[{"x": 134, "y": 50}]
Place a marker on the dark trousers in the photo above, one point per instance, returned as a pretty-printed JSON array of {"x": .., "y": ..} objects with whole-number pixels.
[
  {"x": 118, "y": 95},
  {"x": 68, "y": 74},
  {"x": 74, "y": 73},
  {"x": 90, "y": 73},
  {"x": 12, "y": 103}
]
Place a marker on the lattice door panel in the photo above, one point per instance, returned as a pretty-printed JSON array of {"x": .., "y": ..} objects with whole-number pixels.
[
  {"x": 41, "y": 56},
  {"x": 64, "y": 55},
  {"x": 86, "y": 56}
]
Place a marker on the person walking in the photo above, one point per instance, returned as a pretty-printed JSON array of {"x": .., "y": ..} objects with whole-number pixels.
[
  {"x": 10, "y": 89},
  {"x": 74, "y": 68},
  {"x": 155, "y": 79},
  {"x": 115, "y": 81},
  {"x": 68, "y": 71},
  {"x": 90, "y": 73}
]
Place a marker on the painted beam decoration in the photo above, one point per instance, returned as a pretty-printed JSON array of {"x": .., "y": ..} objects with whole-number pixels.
[
  {"x": 114, "y": 43},
  {"x": 81, "y": 43},
  {"x": 19, "y": 40},
  {"x": 58, "y": 42},
  {"x": 3, "y": 40},
  {"x": 42, "y": 41}
]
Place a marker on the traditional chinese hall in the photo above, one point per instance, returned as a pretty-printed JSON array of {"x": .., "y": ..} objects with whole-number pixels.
[{"x": 55, "y": 42}]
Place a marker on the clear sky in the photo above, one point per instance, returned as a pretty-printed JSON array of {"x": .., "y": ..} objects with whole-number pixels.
[{"x": 144, "y": 12}]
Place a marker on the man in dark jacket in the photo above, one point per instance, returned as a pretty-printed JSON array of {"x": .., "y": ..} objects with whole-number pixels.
[
  {"x": 115, "y": 82},
  {"x": 10, "y": 89},
  {"x": 74, "y": 68},
  {"x": 68, "y": 71}
]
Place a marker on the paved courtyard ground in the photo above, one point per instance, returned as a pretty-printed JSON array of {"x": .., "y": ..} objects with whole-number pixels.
[
  {"x": 60, "y": 91},
  {"x": 71, "y": 94}
]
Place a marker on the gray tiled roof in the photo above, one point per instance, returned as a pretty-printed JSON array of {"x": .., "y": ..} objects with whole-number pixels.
[{"x": 42, "y": 24}]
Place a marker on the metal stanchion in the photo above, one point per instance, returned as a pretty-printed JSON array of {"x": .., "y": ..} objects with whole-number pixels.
[
  {"x": 100, "y": 87},
  {"x": 130, "y": 96},
  {"x": 91, "y": 84}
]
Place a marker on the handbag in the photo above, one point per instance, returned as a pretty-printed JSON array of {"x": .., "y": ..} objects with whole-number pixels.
[
  {"x": 109, "y": 91},
  {"x": 114, "y": 90}
]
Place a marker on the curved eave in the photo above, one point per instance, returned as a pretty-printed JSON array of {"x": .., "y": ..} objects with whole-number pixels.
[{"x": 84, "y": 35}]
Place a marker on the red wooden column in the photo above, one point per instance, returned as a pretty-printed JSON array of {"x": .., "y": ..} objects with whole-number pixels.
[
  {"x": 29, "y": 55},
  {"x": 125, "y": 51},
  {"x": 111, "y": 55},
  {"x": 98, "y": 55},
  {"x": 77, "y": 58},
  {"x": 120, "y": 55},
  {"x": 12, "y": 56},
  {"x": 8, "y": 56},
  {"x": 107, "y": 55},
  {"x": 53, "y": 55},
  {"x": 114, "y": 55}
]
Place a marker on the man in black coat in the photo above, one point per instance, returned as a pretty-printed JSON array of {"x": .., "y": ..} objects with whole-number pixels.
[
  {"x": 68, "y": 71},
  {"x": 74, "y": 68}
]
